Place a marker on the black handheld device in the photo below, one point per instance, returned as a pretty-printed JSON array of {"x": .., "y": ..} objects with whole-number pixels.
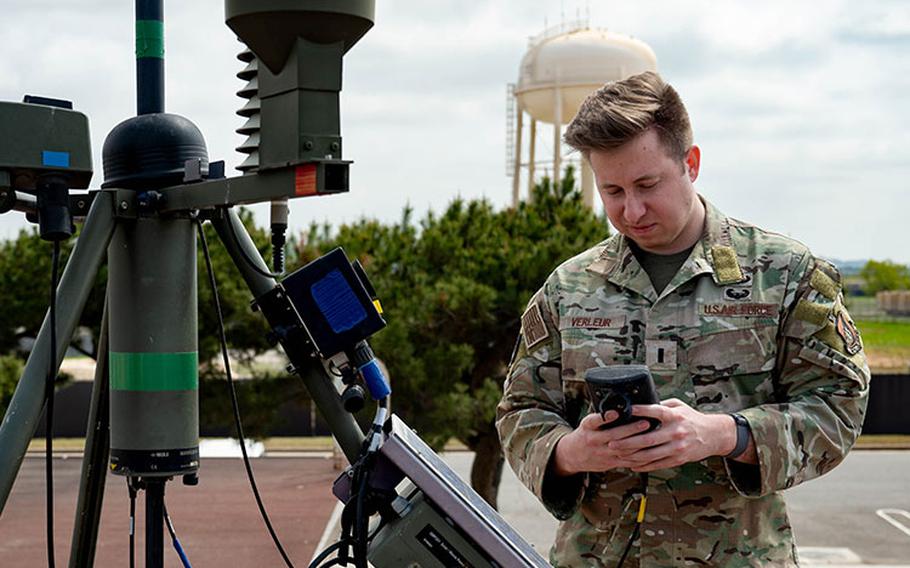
[{"x": 618, "y": 387}]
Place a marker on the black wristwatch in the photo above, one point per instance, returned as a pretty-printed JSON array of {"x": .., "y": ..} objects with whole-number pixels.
[{"x": 742, "y": 436}]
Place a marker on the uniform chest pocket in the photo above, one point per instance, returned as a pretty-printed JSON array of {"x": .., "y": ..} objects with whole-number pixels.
[
  {"x": 732, "y": 369},
  {"x": 585, "y": 348}
]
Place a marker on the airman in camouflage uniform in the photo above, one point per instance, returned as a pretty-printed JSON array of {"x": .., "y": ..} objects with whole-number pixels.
[{"x": 751, "y": 324}]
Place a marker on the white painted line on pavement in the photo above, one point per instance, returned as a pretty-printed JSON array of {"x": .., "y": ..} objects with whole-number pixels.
[
  {"x": 823, "y": 555},
  {"x": 889, "y": 514},
  {"x": 328, "y": 534}
]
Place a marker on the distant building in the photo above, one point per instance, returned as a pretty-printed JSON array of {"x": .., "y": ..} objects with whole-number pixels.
[
  {"x": 894, "y": 302},
  {"x": 561, "y": 67}
]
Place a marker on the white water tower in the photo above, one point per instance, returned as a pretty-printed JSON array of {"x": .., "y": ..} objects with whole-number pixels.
[{"x": 561, "y": 67}]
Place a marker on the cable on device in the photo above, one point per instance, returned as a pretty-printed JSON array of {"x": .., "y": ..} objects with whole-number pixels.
[
  {"x": 49, "y": 409},
  {"x": 174, "y": 541},
  {"x": 353, "y": 546},
  {"x": 249, "y": 261},
  {"x": 643, "y": 504},
  {"x": 132, "y": 491},
  {"x": 234, "y": 404}
]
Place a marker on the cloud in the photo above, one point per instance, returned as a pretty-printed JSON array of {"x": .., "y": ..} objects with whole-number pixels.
[{"x": 799, "y": 107}]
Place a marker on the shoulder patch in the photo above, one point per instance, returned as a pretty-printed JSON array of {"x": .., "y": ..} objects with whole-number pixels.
[
  {"x": 726, "y": 266},
  {"x": 532, "y": 326},
  {"x": 848, "y": 332},
  {"x": 829, "y": 336},
  {"x": 825, "y": 285},
  {"x": 811, "y": 312}
]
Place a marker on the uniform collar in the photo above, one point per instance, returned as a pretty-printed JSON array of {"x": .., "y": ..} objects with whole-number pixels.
[{"x": 713, "y": 254}]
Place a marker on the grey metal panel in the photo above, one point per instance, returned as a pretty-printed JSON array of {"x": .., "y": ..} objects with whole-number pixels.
[
  {"x": 152, "y": 279},
  {"x": 474, "y": 516},
  {"x": 154, "y": 420},
  {"x": 405, "y": 543}
]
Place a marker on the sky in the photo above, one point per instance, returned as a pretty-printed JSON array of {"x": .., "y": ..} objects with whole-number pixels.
[{"x": 800, "y": 108}]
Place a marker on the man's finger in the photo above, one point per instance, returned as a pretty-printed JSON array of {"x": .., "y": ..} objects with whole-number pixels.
[
  {"x": 645, "y": 457},
  {"x": 635, "y": 443},
  {"x": 664, "y": 463},
  {"x": 651, "y": 411},
  {"x": 594, "y": 421},
  {"x": 631, "y": 430},
  {"x": 673, "y": 403}
]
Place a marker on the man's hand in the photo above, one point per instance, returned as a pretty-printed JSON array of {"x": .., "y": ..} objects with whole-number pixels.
[
  {"x": 587, "y": 448},
  {"x": 685, "y": 435}
]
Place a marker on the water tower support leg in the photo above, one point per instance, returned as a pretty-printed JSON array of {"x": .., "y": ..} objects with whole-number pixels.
[
  {"x": 531, "y": 156},
  {"x": 516, "y": 173}
]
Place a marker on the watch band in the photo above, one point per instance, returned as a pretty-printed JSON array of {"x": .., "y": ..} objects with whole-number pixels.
[{"x": 742, "y": 436}]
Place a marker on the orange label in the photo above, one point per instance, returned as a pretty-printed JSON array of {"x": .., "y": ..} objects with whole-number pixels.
[{"x": 305, "y": 180}]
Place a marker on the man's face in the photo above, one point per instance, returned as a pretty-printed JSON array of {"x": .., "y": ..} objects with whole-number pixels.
[{"x": 648, "y": 195}]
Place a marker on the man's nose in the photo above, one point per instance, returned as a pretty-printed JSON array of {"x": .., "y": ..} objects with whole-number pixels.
[{"x": 634, "y": 208}]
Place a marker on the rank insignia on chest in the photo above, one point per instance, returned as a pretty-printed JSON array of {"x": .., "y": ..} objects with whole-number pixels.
[
  {"x": 533, "y": 327},
  {"x": 660, "y": 355}
]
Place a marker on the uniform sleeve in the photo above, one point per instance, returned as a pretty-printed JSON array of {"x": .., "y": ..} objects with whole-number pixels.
[
  {"x": 821, "y": 387},
  {"x": 531, "y": 414}
]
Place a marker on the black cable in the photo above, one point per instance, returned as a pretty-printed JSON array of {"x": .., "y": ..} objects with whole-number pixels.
[
  {"x": 325, "y": 554},
  {"x": 629, "y": 545},
  {"x": 638, "y": 519},
  {"x": 132, "y": 491},
  {"x": 361, "y": 519},
  {"x": 234, "y": 403},
  {"x": 243, "y": 254},
  {"x": 49, "y": 410},
  {"x": 335, "y": 562}
]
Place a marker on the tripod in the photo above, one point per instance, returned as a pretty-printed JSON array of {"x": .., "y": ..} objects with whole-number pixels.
[{"x": 144, "y": 411}]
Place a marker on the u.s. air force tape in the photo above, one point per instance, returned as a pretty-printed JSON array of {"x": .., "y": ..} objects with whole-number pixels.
[{"x": 533, "y": 327}]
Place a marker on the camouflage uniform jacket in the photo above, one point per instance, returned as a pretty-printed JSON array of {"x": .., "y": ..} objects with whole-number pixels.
[{"x": 751, "y": 323}]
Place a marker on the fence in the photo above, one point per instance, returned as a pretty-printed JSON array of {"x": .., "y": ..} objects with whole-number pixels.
[{"x": 889, "y": 401}]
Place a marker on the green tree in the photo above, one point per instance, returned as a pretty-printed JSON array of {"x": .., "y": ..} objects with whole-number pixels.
[
  {"x": 10, "y": 371},
  {"x": 454, "y": 288},
  {"x": 25, "y": 275},
  {"x": 885, "y": 275}
]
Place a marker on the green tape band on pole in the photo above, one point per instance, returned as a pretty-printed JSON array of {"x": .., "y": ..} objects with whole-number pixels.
[
  {"x": 149, "y": 39},
  {"x": 154, "y": 371}
]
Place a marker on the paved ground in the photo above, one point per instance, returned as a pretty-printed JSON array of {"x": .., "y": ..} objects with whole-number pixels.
[
  {"x": 834, "y": 518},
  {"x": 217, "y": 521},
  {"x": 839, "y": 520}
]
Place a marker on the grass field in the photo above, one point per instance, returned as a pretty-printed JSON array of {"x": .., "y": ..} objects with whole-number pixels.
[{"x": 887, "y": 344}]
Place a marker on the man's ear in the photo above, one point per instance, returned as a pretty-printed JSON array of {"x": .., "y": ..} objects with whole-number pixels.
[{"x": 693, "y": 162}]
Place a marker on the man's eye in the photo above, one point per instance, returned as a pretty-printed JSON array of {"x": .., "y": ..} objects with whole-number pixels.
[{"x": 648, "y": 185}]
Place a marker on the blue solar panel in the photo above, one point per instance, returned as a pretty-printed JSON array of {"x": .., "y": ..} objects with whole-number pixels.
[{"x": 337, "y": 302}]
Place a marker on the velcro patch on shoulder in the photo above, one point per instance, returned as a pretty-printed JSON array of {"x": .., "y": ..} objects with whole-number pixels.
[
  {"x": 726, "y": 265},
  {"x": 829, "y": 336},
  {"x": 811, "y": 312},
  {"x": 533, "y": 327},
  {"x": 825, "y": 285}
]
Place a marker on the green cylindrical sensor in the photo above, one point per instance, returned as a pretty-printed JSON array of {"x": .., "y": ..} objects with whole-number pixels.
[{"x": 153, "y": 348}]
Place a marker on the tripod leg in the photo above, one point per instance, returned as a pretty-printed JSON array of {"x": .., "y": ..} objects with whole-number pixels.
[
  {"x": 24, "y": 409},
  {"x": 242, "y": 250},
  {"x": 94, "y": 461},
  {"x": 154, "y": 522}
]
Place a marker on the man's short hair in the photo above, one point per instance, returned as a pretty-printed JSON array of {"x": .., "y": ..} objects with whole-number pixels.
[{"x": 621, "y": 110}]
